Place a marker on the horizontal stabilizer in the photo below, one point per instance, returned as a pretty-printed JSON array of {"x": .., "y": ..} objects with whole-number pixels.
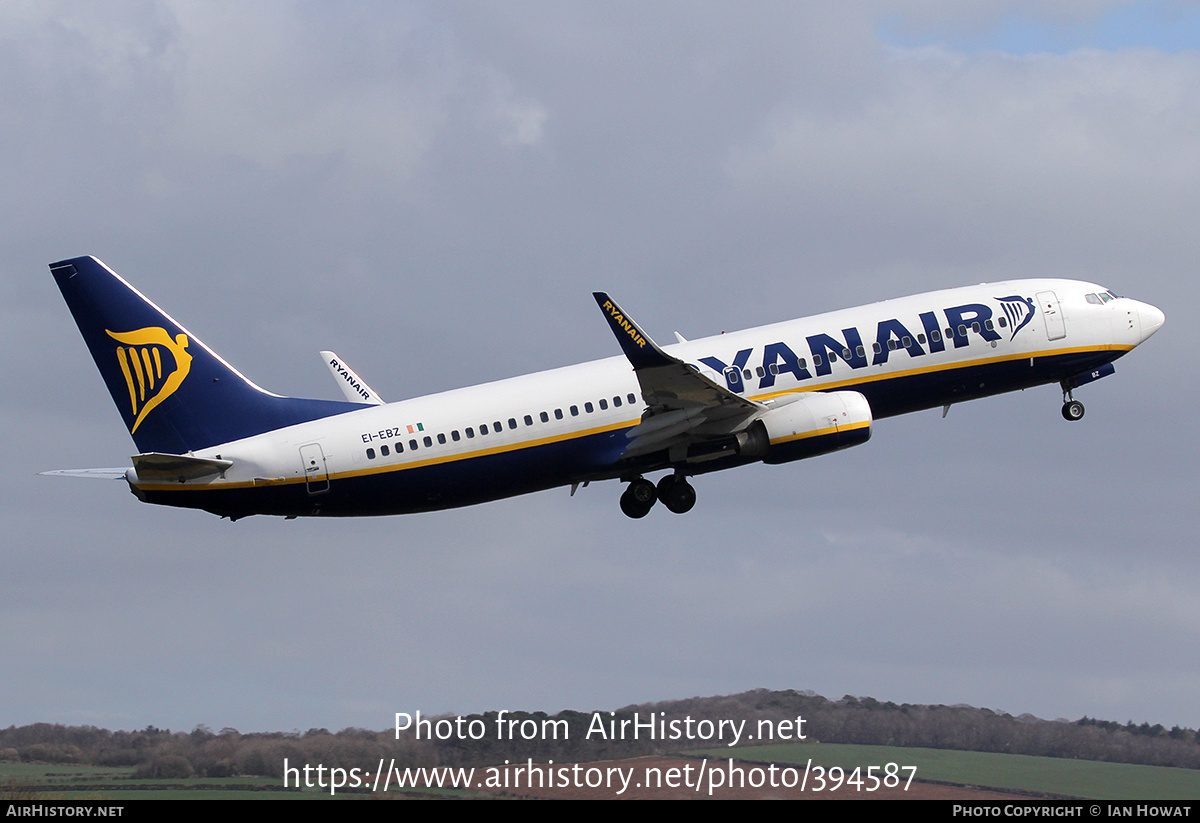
[
  {"x": 156, "y": 466},
  {"x": 95, "y": 474},
  {"x": 353, "y": 387}
]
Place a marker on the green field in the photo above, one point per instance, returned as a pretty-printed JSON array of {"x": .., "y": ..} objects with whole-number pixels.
[
  {"x": 67, "y": 782},
  {"x": 1005, "y": 772},
  {"x": 1009, "y": 772},
  {"x": 63, "y": 782}
]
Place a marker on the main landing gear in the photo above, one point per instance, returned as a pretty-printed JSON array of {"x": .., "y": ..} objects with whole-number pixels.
[
  {"x": 675, "y": 492},
  {"x": 1072, "y": 409}
]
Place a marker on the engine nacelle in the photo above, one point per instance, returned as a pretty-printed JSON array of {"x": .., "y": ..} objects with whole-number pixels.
[{"x": 812, "y": 424}]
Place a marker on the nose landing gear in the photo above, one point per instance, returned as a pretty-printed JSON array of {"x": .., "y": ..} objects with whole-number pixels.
[{"x": 1072, "y": 409}]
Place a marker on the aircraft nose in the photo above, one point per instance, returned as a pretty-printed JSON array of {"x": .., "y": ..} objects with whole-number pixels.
[{"x": 1151, "y": 319}]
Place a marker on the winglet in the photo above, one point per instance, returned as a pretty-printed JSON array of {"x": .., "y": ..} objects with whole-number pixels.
[
  {"x": 353, "y": 387},
  {"x": 642, "y": 352}
]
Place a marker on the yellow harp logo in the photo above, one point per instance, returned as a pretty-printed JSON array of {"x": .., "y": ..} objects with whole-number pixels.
[{"x": 141, "y": 360}]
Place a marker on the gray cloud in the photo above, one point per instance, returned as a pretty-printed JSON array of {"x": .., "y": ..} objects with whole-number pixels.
[{"x": 432, "y": 191}]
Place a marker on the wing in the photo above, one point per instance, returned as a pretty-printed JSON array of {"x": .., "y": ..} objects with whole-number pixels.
[{"x": 684, "y": 406}]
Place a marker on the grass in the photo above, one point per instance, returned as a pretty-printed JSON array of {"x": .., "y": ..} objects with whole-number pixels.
[
  {"x": 39, "y": 782},
  {"x": 1013, "y": 772}
]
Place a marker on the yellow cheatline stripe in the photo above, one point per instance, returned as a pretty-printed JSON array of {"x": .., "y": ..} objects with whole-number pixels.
[
  {"x": 415, "y": 464},
  {"x": 450, "y": 458},
  {"x": 859, "y": 379},
  {"x": 830, "y": 430}
]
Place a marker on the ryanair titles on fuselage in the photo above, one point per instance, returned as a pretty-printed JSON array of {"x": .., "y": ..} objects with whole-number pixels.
[{"x": 891, "y": 335}]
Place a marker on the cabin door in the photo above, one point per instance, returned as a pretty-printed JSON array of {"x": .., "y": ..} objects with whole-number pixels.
[
  {"x": 1056, "y": 326},
  {"x": 316, "y": 475}
]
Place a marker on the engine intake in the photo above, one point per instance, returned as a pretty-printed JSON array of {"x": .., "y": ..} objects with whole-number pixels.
[{"x": 813, "y": 423}]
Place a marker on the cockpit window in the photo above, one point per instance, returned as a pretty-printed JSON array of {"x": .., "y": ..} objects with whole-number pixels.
[
  {"x": 1094, "y": 299},
  {"x": 1105, "y": 296}
]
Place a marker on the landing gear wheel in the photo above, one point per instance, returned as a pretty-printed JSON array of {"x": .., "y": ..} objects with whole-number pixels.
[
  {"x": 676, "y": 493},
  {"x": 638, "y": 499},
  {"x": 1072, "y": 410}
]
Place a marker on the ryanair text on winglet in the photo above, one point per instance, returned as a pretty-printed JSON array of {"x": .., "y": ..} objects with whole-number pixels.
[
  {"x": 619, "y": 320},
  {"x": 345, "y": 374}
]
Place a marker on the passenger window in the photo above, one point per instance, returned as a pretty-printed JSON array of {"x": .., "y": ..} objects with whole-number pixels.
[
  {"x": 428, "y": 441},
  {"x": 920, "y": 338},
  {"x": 442, "y": 439},
  {"x": 455, "y": 436},
  {"x": 412, "y": 445},
  {"x": 370, "y": 454},
  {"x": 399, "y": 446},
  {"x": 1003, "y": 322},
  {"x": 483, "y": 429},
  {"x": 588, "y": 407},
  {"x": 496, "y": 427},
  {"x": 987, "y": 324},
  {"x": 383, "y": 451},
  {"x": 632, "y": 399},
  {"x": 975, "y": 327},
  {"x": 962, "y": 331},
  {"x": 616, "y": 402},
  {"x": 936, "y": 336},
  {"x": 816, "y": 359},
  {"x": 803, "y": 363},
  {"x": 470, "y": 433},
  {"x": 861, "y": 351},
  {"x": 558, "y": 415},
  {"x": 774, "y": 368},
  {"x": 891, "y": 344},
  {"x": 906, "y": 342},
  {"x": 528, "y": 420},
  {"x": 574, "y": 411},
  {"x": 604, "y": 403},
  {"x": 759, "y": 371},
  {"x": 512, "y": 422},
  {"x": 545, "y": 417}
]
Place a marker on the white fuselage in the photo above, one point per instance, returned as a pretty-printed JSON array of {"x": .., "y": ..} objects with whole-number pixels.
[{"x": 568, "y": 425}]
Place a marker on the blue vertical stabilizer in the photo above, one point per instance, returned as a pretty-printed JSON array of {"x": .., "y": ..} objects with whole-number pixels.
[{"x": 174, "y": 393}]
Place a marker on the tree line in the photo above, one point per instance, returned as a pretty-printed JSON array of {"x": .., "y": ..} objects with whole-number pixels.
[{"x": 161, "y": 753}]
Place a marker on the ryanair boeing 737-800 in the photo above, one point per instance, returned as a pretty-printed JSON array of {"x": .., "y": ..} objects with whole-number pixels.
[{"x": 210, "y": 439}]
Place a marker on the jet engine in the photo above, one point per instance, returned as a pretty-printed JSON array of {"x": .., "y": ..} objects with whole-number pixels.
[{"x": 812, "y": 423}]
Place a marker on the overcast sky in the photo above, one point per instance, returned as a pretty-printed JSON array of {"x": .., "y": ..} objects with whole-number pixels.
[{"x": 432, "y": 190}]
